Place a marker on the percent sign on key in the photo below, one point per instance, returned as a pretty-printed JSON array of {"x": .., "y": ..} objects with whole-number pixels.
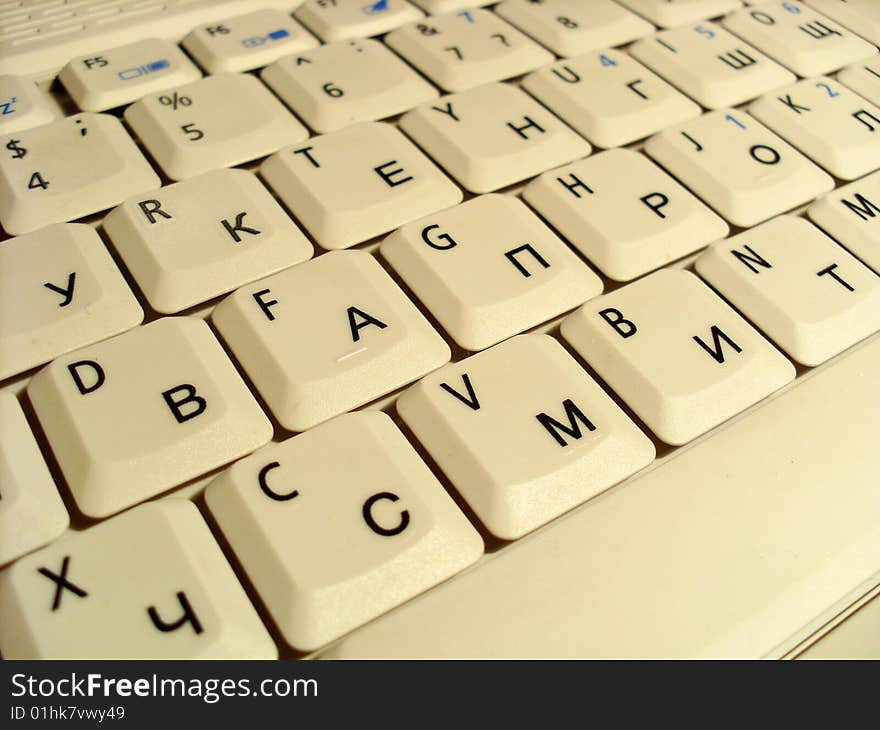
[{"x": 174, "y": 100}]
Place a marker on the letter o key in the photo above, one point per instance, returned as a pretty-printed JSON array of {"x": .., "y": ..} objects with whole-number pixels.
[{"x": 375, "y": 526}]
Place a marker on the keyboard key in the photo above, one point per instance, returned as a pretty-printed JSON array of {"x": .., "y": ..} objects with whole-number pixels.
[
  {"x": 362, "y": 181},
  {"x": 203, "y": 237},
  {"x": 676, "y": 354},
  {"x": 488, "y": 269},
  {"x": 493, "y": 136},
  {"x": 738, "y": 166},
  {"x": 864, "y": 79},
  {"x": 860, "y": 16},
  {"x": 711, "y": 65},
  {"x": 570, "y": 28},
  {"x": 59, "y": 290},
  {"x": 68, "y": 169},
  {"x": 353, "y": 496},
  {"x": 813, "y": 299},
  {"x": 23, "y": 105},
  {"x": 623, "y": 213},
  {"x": 436, "y": 7},
  {"x": 572, "y": 441},
  {"x": 670, "y": 14},
  {"x": 248, "y": 41},
  {"x": 122, "y": 432},
  {"x": 830, "y": 124},
  {"x": 610, "y": 98},
  {"x": 849, "y": 214},
  {"x": 342, "y": 83},
  {"x": 149, "y": 584},
  {"x": 314, "y": 351},
  {"x": 801, "y": 40},
  {"x": 467, "y": 49},
  {"x": 117, "y": 76},
  {"x": 340, "y": 20},
  {"x": 220, "y": 121},
  {"x": 31, "y": 510}
]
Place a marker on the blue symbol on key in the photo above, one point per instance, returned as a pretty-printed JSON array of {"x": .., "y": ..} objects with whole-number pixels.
[
  {"x": 148, "y": 68},
  {"x": 8, "y": 106},
  {"x": 277, "y": 35},
  {"x": 259, "y": 40},
  {"x": 378, "y": 7}
]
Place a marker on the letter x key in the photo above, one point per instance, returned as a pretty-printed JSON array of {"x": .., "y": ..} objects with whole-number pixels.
[{"x": 61, "y": 583}]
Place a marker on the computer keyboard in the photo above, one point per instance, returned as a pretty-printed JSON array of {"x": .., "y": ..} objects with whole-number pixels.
[{"x": 346, "y": 329}]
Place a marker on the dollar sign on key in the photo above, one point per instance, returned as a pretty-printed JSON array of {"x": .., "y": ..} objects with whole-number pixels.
[{"x": 17, "y": 152}]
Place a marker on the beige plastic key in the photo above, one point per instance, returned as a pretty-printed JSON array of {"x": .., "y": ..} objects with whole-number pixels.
[
  {"x": 31, "y": 510},
  {"x": 116, "y": 76},
  {"x": 68, "y": 169},
  {"x": 59, "y": 290},
  {"x": 830, "y": 124},
  {"x": 363, "y": 523},
  {"x": 801, "y": 39},
  {"x": 623, "y": 213},
  {"x": 488, "y": 269},
  {"x": 220, "y": 121},
  {"x": 467, "y": 49},
  {"x": 327, "y": 336},
  {"x": 493, "y": 136},
  {"x": 339, "y": 20},
  {"x": 860, "y": 16},
  {"x": 738, "y": 166},
  {"x": 149, "y": 584},
  {"x": 122, "y": 432},
  {"x": 23, "y": 105},
  {"x": 670, "y": 13},
  {"x": 711, "y": 65},
  {"x": 798, "y": 286},
  {"x": 571, "y": 27},
  {"x": 851, "y": 214},
  {"x": 248, "y": 41},
  {"x": 609, "y": 97},
  {"x": 437, "y": 7},
  {"x": 203, "y": 237},
  {"x": 357, "y": 183},
  {"x": 523, "y": 433},
  {"x": 864, "y": 79},
  {"x": 680, "y": 357},
  {"x": 342, "y": 83}
]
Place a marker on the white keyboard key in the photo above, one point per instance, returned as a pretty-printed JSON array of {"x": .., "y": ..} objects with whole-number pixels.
[
  {"x": 801, "y": 40},
  {"x": 203, "y": 237},
  {"x": 360, "y": 182},
  {"x": 31, "y": 510},
  {"x": 827, "y": 122},
  {"x": 220, "y": 121},
  {"x": 860, "y": 16},
  {"x": 467, "y": 49},
  {"x": 23, "y": 105},
  {"x": 570, "y": 27},
  {"x": 711, "y": 65},
  {"x": 571, "y": 440},
  {"x": 314, "y": 350},
  {"x": 342, "y": 83},
  {"x": 59, "y": 290},
  {"x": 149, "y": 584},
  {"x": 493, "y": 136},
  {"x": 352, "y": 495},
  {"x": 122, "y": 432},
  {"x": 609, "y": 97},
  {"x": 623, "y": 213},
  {"x": 680, "y": 357},
  {"x": 864, "y": 79},
  {"x": 339, "y": 20},
  {"x": 852, "y": 215},
  {"x": 117, "y": 76},
  {"x": 68, "y": 169},
  {"x": 488, "y": 269},
  {"x": 742, "y": 546},
  {"x": 246, "y": 42},
  {"x": 813, "y": 299},
  {"x": 670, "y": 13},
  {"x": 738, "y": 166}
]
